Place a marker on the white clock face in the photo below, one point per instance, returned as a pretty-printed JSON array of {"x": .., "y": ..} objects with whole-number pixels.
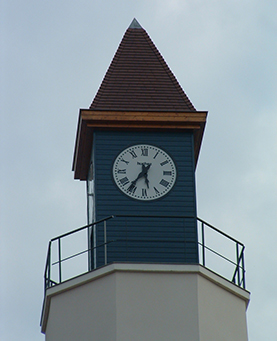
[{"x": 144, "y": 172}]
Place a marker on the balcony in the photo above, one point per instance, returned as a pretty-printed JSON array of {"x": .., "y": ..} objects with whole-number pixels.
[{"x": 74, "y": 253}]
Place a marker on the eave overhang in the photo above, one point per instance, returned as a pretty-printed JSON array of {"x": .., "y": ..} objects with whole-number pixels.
[{"x": 90, "y": 120}]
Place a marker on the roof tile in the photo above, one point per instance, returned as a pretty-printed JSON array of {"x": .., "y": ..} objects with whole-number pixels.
[{"x": 139, "y": 79}]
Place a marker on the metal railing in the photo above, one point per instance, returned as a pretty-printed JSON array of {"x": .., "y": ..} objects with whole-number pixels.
[
  {"x": 217, "y": 251},
  {"x": 48, "y": 282},
  {"x": 237, "y": 261}
]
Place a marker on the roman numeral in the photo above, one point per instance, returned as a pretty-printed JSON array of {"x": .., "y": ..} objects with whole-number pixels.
[
  {"x": 124, "y": 161},
  {"x": 144, "y": 151},
  {"x": 144, "y": 192},
  {"x": 164, "y": 163},
  {"x": 164, "y": 183},
  {"x": 134, "y": 155},
  {"x": 156, "y": 191},
  {"x": 121, "y": 171},
  {"x": 167, "y": 172},
  {"x": 124, "y": 181},
  {"x": 132, "y": 188},
  {"x": 156, "y": 154}
]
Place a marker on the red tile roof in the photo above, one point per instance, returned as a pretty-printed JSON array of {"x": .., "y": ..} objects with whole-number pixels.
[
  {"x": 138, "y": 92},
  {"x": 139, "y": 79}
]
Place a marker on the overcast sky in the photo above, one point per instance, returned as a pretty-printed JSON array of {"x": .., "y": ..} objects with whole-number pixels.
[{"x": 54, "y": 55}]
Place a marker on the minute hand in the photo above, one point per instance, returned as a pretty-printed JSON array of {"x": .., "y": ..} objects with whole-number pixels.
[{"x": 141, "y": 174}]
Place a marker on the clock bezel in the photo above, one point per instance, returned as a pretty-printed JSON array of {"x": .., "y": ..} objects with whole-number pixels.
[{"x": 164, "y": 150}]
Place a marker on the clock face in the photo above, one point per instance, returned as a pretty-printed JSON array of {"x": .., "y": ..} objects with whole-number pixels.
[{"x": 144, "y": 172}]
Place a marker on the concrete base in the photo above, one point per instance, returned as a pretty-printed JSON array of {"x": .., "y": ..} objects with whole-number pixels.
[{"x": 135, "y": 302}]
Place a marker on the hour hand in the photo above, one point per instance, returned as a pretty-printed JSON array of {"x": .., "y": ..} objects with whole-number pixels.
[{"x": 146, "y": 180}]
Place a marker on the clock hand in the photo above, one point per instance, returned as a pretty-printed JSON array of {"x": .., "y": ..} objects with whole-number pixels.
[
  {"x": 142, "y": 173},
  {"x": 146, "y": 180},
  {"x": 146, "y": 174},
  {"x": 147, "y": 167}
]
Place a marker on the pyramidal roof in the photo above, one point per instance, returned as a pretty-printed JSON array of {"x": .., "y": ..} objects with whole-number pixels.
[
  {"x": 138, "y": 78},
  {"x": 138, "y": 92}
]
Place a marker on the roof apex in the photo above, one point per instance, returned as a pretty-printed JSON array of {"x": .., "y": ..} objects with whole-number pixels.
[{"x": 135, "y": 24}]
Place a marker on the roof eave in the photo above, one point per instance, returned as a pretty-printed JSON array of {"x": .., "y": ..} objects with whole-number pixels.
[{"x": 89, "y": 120}]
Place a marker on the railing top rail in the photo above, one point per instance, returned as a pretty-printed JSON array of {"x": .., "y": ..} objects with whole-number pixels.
[
  {"x": 222, "y": 233},
  {"x": 81, "y": 228},
  {"x": 145, "y": 216},
  {"x": 151, "y": 216}
]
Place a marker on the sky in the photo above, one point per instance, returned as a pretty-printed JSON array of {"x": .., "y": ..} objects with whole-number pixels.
[{"x": 54, "y": 55}]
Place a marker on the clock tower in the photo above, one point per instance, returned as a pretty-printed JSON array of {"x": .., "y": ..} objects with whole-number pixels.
[
  {"x": 139, "y": 142},
  {"x": 137, "y": 148}
]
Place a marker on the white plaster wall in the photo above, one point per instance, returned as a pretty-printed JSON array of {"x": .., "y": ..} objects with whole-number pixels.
[
  {"x": 156, "y": 306},
  {"x": 222, "y": 315},
  {"x": 141, "y": 302},
  {"x": 83, "y": 312}
]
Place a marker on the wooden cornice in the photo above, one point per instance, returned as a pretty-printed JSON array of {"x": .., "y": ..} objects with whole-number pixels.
[
  {"x": 138, "y": 119},
  {"x": 89, "y": 120}
]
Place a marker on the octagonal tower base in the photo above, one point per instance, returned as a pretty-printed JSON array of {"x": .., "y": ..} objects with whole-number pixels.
[{"x": 126, "y": 301}]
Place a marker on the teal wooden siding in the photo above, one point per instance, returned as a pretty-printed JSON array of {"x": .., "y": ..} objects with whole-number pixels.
[{"x": 145, "y": 239}]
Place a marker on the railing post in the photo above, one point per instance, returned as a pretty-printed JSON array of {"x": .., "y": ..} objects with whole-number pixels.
[
  {"x": 47, "y": 273},
  {"x": 243, "y": 270},
  {"x": 89, "y": 248},
  {"x": 105, "y": 241},
  {"x": 238, "y": 261},
  {"x": 45, "y": 281},
  {"x": 203, "y": 244},
  {"x": 49, "y": 265},
  {"x": 126, "y": 229},
  {"x": 60, "y": 265},
  {"x": 92, "y": 245}
]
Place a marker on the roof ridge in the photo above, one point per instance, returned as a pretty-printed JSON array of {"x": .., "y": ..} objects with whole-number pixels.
[
  {"x": 110, "y": 70},
  {"x": 168, "y": 70}
]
